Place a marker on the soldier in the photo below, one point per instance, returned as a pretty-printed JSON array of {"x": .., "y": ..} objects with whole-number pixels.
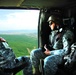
[
  {"x": 61, "y": 39},
  {"x": 70, "y": 59},
  {"x": 9, "y": 64}
]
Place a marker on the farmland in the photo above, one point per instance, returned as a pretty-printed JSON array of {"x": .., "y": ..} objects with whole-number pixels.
[{"x": 21, "y": 44}]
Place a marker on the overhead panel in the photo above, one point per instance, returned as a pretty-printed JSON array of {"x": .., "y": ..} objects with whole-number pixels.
[
  {"x": 12, "y": 3},
  {"x": 47, "y": 3},
  {"x": 43, "y": 3},
  {"x": 37, "y": 3}
]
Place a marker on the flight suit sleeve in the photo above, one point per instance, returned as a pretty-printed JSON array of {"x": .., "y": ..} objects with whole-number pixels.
[{"x": 67, "y": 40}]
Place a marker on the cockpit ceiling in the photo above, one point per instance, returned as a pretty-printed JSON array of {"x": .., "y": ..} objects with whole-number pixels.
[
  {"x": 47, "y": 3},
  {"x": 37, "y": 3},
  {"x": 10, "y": 3}
]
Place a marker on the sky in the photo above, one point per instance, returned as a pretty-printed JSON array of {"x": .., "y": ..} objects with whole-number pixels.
[{"x": 15, "y": 19}]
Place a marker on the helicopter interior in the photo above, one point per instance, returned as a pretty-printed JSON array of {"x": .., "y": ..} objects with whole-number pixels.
[{"x": 63, "y": 8}]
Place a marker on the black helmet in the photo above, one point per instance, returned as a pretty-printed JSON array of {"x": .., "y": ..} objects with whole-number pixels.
[{"x": 55, "y": 19}]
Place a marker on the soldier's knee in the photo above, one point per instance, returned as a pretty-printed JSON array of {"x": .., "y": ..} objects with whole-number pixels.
[
  {"x": 34, "y": 53},
  {"x": 47, "y": 61}
]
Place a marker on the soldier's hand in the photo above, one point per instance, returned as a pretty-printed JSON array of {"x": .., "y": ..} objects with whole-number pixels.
[
  {"x": 45, "y": 47},
  {"x": 47, "y": 52}
]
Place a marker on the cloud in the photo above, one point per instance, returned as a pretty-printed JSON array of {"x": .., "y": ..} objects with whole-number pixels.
[{"x": 25, "y": 19}]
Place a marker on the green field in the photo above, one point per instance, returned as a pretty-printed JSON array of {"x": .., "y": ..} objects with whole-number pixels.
[{"x": 21, "y": 44}]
